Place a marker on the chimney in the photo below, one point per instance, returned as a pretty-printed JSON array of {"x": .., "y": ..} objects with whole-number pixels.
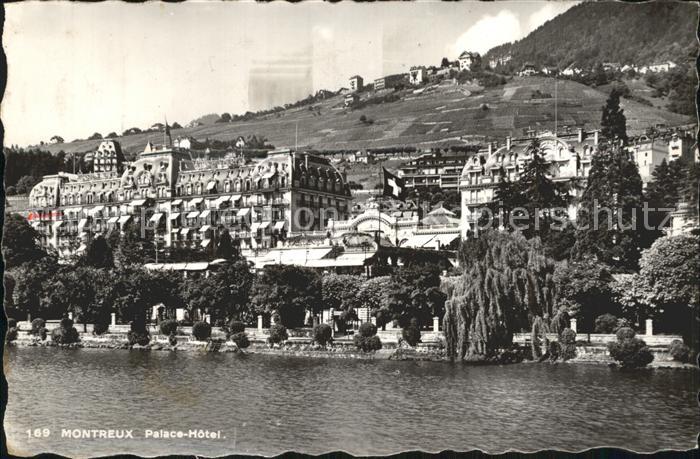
[
  {"x": 306, "y": 158},
  {"x": 580, "y": 135},
  {"x": 508, "y": 141},
  {"x": 595, "y": 137},
  {"x": 490, "y": 148}
]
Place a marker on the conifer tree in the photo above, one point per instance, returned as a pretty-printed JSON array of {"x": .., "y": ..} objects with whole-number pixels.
[
  {"x": 614, "y": 123},
  {"x": 610, "y": 222},
  {"x": 98, "y": 254}
]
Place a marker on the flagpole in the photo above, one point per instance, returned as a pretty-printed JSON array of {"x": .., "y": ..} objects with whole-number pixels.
[{"x": 379, "y": 209}]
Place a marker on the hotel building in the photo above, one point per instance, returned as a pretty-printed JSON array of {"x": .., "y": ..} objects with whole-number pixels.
[{"x": 181, "y": 203}]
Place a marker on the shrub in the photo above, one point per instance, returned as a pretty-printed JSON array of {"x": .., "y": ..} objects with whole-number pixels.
[
  {"x": 234, "y": 327},
  {"x": 168, "y": 327},
  {"x": 625, "y": 333},
  {"x": 567, "y": 340},
  {"x": 172, "y": 339},
  {"x": 411, "y": 334},
  {"x": 367, "y": 329},
  {"x": 322, "y": 334},
  {"x": 368, "y": 343},
  {"x": 606, "y": 323},
  {"x": 65, "y": 335},
  {"x": 241, "y": 339},
  {"x": 679, "y": 351},
  {"x": 100, "y": 327},
  {"x": 37, "y": 325},
  {"x": 140, "y": 337},
  {"x": 278, "y": 333},
  {"x": 11, "y": 334},
  {"x": 201, "y": 331},
  {"x": 11, "y": 323},
  {"x": 631, "y": 353},
  {"x": 66, "y": 323}
]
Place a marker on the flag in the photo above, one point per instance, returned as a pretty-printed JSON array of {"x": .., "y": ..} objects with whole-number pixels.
[{"x": 393, "y": 186}]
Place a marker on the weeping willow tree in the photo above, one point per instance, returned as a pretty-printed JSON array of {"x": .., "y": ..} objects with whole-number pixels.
[{"x": 506, "y": 284}]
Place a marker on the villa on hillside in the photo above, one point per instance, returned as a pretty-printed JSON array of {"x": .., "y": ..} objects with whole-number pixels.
[{"x": 467, "y": 59}]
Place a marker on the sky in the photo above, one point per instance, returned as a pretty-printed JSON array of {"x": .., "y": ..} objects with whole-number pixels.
[{"x": 77, "y": 68}]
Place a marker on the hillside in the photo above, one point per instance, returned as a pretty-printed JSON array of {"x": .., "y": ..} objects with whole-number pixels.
[
  {"x": 624, "y": 32},
  {"x": 439, "y": 116}
]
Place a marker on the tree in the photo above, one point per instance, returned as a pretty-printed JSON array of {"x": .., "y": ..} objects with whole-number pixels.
[
  {"x": 338, "y": 291},
  {"x": 98, "y": 254},
  {"x": 663, "y": 194},
  {"x": 224, "y": 118},
  {"x": 585, "y": 288},
  {"x": 414, "y": 294},
  {"x": 445, "y": 62},
  {"x": 25, "y": 184},
  {"x": 225, "y": 248},
  {"x": 290, "y": 291},
  {"x": 57, "y": 139},
  {"x": 20, "y": 242},
  {"x": 614, "y": 123},
  {"x": 229, "y": 292},
  {"x": 609, "y": 223},
  {"x": 31, "y": 284},
  {"x": 669, "y": 270},
  {"x": 506, "y": 282},
  {"x": 112, "y": 135},
  {"x": 176, "y": 125},
  {"x": 95, "y": 136},
  {"x": 132, "y": 248}
]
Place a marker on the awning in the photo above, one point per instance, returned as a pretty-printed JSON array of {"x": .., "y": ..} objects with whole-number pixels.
[
  {"x": 35, "y": 225},
  {"x": 82, "y": 248},
  {"x": 205, "y": 213},
  {"x": 243, "y": 212},
  {"x": 137, "y": 202},
  {"x": 175, "y": 216},
  {"x": 446, "y": 239},
  {"x": 113, "y": 220},
  {"x": 211, "y": 185},
  {"x": 204, "y": 229},
  {"x": 418, "y": 241},
  {"x": 218, "y": 202},
  {"x": 235, "y": 197},
  {"x": 205, "y": 242},
  {"x": 124, "y": 218},
  {"x": 264, "y": 225},
  {"x": 279, "y": 226},
  {"x": 196, "y": 266},
  {"x": 82, "y": 223},
  {"x": 269, "y": 174},
  {"x": 185, "y": 231},
  {"x": 155, "y": 218},
  {"x": 57, "y": 225},
  {"x": 254, "y": 227},
  {"x": 97, "y": 209},
  {"x": 196, "y": 201},
  {"x": 176, "y": 202},
  {"x": 194, "y": 214}
]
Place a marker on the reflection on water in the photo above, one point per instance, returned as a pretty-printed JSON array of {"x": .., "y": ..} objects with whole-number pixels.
[{"x": 268, "y": 404}]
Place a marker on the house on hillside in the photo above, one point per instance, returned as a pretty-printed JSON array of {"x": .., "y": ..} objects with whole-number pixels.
[
  {"x": 356, "y": 83},
  {"x": 351, "y": 99},
  {"x": 389, "y": 82},
  {"x": 417, "y": 75},
  {"x": 499, "y": 60},
  {"x": 527, "y": 70},
  {"x": 468, "y": 59},
  {"x": 572, "y": 70},
  {"x": 548, "y": 70},
  {"x": 611, "y": 66},
  {"x": 662, "y": 67}
]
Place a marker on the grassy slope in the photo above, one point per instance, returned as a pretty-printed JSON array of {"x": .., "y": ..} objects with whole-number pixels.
[{"x": 433, "y": 118}]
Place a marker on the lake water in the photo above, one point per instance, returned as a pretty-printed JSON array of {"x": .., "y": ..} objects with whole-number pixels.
[{"x": 268, "y": 404}]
